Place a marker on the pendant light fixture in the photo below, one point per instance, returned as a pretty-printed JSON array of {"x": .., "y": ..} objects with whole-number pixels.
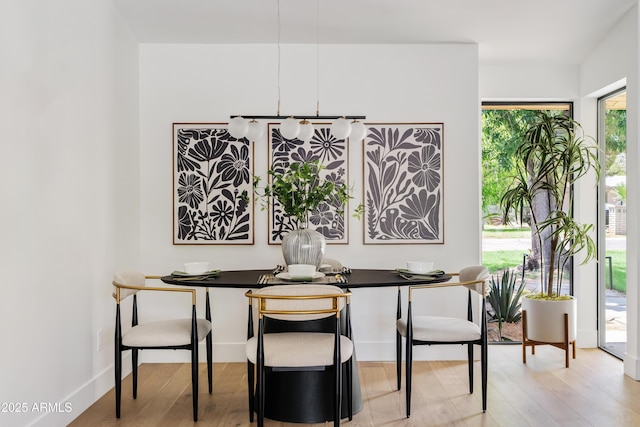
[
  {"x": 255, "y": 130},
  {"x": 238, "y": 127},
  {"x": 298, "y": 126},
  {"x": 290, "y": 128},
  {"x": 306, "y": 130},
  {"x": 358, "y": 131}
]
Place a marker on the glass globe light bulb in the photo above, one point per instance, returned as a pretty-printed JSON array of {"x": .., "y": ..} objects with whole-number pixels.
[
  {"x": 306, "y": 131},
  {"x": 290, "y": 128},
  {"x": 238, "y": 127},
  {"x": 255, "y": 130},
  {"x": 340, "y": 128},
  {"x": 358, "y": 131}
]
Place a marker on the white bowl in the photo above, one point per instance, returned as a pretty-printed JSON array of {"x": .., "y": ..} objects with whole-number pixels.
[
  {"x": 199, "y": 267},
  {"x": 419, "y": 266},
  {"x": 301, "y": 271}
]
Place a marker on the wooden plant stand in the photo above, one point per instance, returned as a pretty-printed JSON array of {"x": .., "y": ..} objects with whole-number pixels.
[{"x": 526, "y": 342}]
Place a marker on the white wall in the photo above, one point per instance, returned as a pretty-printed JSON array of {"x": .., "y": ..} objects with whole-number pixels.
[
  {"x": 528, "y": 82},
  {"x": 417, "y": 83},
  {"x": 68, "y": 115},
  {"x": 80, "y": 193},
  {"x": 612, "y": 63}
]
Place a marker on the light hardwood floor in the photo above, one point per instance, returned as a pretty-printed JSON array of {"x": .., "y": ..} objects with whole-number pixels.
[{"x": 592, "y": 392}]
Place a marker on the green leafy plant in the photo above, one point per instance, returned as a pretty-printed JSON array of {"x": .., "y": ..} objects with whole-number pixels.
[
  {"x": 621, "y": 191},
  {"x": 553, "y": 155},
  {"x": 300, "y": 189},
  {"x": 504, "y": 298}
]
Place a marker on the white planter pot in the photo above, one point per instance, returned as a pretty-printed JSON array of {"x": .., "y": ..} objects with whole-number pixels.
[{"x": 545, "y": 319}]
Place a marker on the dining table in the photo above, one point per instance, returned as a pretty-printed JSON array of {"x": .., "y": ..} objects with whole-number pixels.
[{"x": 304, "y": 396}]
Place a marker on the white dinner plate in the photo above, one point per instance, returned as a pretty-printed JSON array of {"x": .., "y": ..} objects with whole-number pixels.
[{"x": 286, "y": 276}]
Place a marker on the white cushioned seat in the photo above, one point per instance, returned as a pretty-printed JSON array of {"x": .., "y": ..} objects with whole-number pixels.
[
  {"x": 444, "y": 330},
  {"x": 312, "y": 342},
  {"x": 163, "y": 333},
  {"x": 298, "y": 349},
  {"x": 441, "y": 329}
]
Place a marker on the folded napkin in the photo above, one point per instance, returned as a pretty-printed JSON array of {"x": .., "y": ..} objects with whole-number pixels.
[
  {"x": 211, "y": 273},
  {"x": 327, "y": 270},
  {"x": 268, "y": 279},
  {"x": 431, "y": 274}
]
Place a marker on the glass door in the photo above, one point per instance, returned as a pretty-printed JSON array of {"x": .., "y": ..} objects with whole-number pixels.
[{"x": 612, "y": 283}]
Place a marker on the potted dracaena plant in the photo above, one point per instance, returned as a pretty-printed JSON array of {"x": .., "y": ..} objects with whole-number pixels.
[
  {"x": 300, "y": 189},
  {"x": 554, "y": 154}
]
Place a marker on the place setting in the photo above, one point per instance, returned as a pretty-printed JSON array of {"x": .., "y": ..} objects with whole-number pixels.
[
  {"x": 199, "y": 270},
  {"x": 300, "y": 273},
  {"x": 419, "y": 270}
]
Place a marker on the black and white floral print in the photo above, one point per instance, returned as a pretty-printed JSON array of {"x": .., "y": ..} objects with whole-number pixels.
[
  {"x": 328, "y": 219},
  {"x": 403, "y": 183},
  {"x": 212, "y": 186}
]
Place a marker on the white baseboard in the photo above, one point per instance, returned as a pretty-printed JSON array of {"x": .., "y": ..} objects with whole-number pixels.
[
  {"x": 587, "y": 338},
  {"x": 365, "y": 352},
  {"x": 632, "y": 366},
  {"x": 62, "y": 413},
  {"x": 222, "y": 353}
]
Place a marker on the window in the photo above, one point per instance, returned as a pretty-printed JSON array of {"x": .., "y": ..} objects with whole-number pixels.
[{"x": 508, "y": 249}]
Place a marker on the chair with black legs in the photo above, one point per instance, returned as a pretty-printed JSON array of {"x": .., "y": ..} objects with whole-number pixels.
[
  {"x": 170, "y": 334},
  {"x": 439, "y": 330},
  {"x": 306, "y": 350}
]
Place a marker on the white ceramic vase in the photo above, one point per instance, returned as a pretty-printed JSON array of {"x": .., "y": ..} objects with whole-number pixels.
[
  {"x": 303, "y": 246},
  {"x": 545, "y": 319}
]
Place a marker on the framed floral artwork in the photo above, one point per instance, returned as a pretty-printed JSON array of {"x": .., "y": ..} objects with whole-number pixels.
[
  {"x": 212, "y": 186},
  {"x": 402, "y": 174},
  {"x": 332, "y": 153}
]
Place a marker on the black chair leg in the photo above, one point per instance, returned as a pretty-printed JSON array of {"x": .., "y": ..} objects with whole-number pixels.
[
  {"x": 399, "y": 359},
  {"x": 118, "y": 379},
  {"x": 350, "y": 388},
  {"x": 337, "y": 398},
  {"x": 470, "y": 360},
  {"x": 194, "y": 380},
  {"x": 409, "y": 357},
  {"x": 250, "y": 384},
  {"x": 483, "y": 363},
  {"x": 398, "y": 341},
  {"x": 134, "y": 371},
  {"x": 210, "y": 362},
  {"x": 260, "y": 394}
]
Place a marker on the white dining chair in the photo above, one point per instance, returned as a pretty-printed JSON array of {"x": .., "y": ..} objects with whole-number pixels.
[
  {"x": 168, "y": 334},
  {"x": 442, "y": 330},
  {"x": 298, "y": 351}
]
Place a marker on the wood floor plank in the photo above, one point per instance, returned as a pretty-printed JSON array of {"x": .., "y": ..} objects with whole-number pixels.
[
  {"x": 380, "y": 393},
  {"x": 593, "y": 392}
]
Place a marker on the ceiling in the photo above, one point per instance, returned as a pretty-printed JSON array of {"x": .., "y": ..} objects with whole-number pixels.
[{"x": 559, "y": 31}]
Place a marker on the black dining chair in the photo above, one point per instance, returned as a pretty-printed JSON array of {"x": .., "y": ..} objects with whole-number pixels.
[
  {"x": 440, "y": 330},
  {"x": 306, "y": 350},
  {"x": 169, "y": 334}
]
